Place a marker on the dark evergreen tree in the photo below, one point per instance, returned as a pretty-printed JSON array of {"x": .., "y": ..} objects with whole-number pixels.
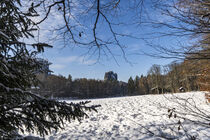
[
  {"x": 70, "y": 78},
  {"x": 131, "y": 86},
  {"x": 20, "y": 109},
  {"x": 137, "y": 86}
]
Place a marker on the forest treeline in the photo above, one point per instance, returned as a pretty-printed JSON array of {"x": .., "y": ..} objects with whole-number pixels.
[
  {"x": 174, "y": 77},
  {"x": 62, "y": 87}
]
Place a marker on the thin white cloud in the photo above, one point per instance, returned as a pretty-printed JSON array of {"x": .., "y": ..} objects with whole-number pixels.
[
  {"x": 68, "y": 59},
  {"x": 75, "y": 59},
  {"x": 82, "y": 60},
  {"x": 57, "y": 66},
  {"x": 134, "y": 47}
]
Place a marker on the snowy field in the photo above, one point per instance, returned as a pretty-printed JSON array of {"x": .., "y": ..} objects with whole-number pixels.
[{"x": 139, "y": 117}]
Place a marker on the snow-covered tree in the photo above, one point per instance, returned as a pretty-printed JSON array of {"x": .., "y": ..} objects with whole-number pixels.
[{"x": 20, "y": 109}]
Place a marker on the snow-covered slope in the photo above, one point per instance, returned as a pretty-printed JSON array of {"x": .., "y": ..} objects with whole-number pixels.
[{"x": 139, "y": 117}]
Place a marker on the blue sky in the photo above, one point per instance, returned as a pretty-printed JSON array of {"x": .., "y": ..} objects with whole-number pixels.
[
  {"x": 67, "y": 61},
  {"x": 71, "y": 60}
]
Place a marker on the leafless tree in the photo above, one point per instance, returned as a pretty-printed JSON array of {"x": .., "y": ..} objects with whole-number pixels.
[
  {"x": 180, "y": 20},
  {"x": 93, "y": 24}
]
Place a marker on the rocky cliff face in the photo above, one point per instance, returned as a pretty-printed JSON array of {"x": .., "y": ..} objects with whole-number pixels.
[{"x": 110, "y": 76}]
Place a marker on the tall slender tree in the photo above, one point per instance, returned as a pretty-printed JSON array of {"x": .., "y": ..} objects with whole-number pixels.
[{"x": 131, "y": 86}]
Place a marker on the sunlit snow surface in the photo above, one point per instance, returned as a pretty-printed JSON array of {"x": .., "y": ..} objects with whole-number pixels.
[{"x": 138, "y": 117}]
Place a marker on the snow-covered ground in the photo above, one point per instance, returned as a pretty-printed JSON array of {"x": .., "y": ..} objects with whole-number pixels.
[{"x": 139, "y": 117}]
